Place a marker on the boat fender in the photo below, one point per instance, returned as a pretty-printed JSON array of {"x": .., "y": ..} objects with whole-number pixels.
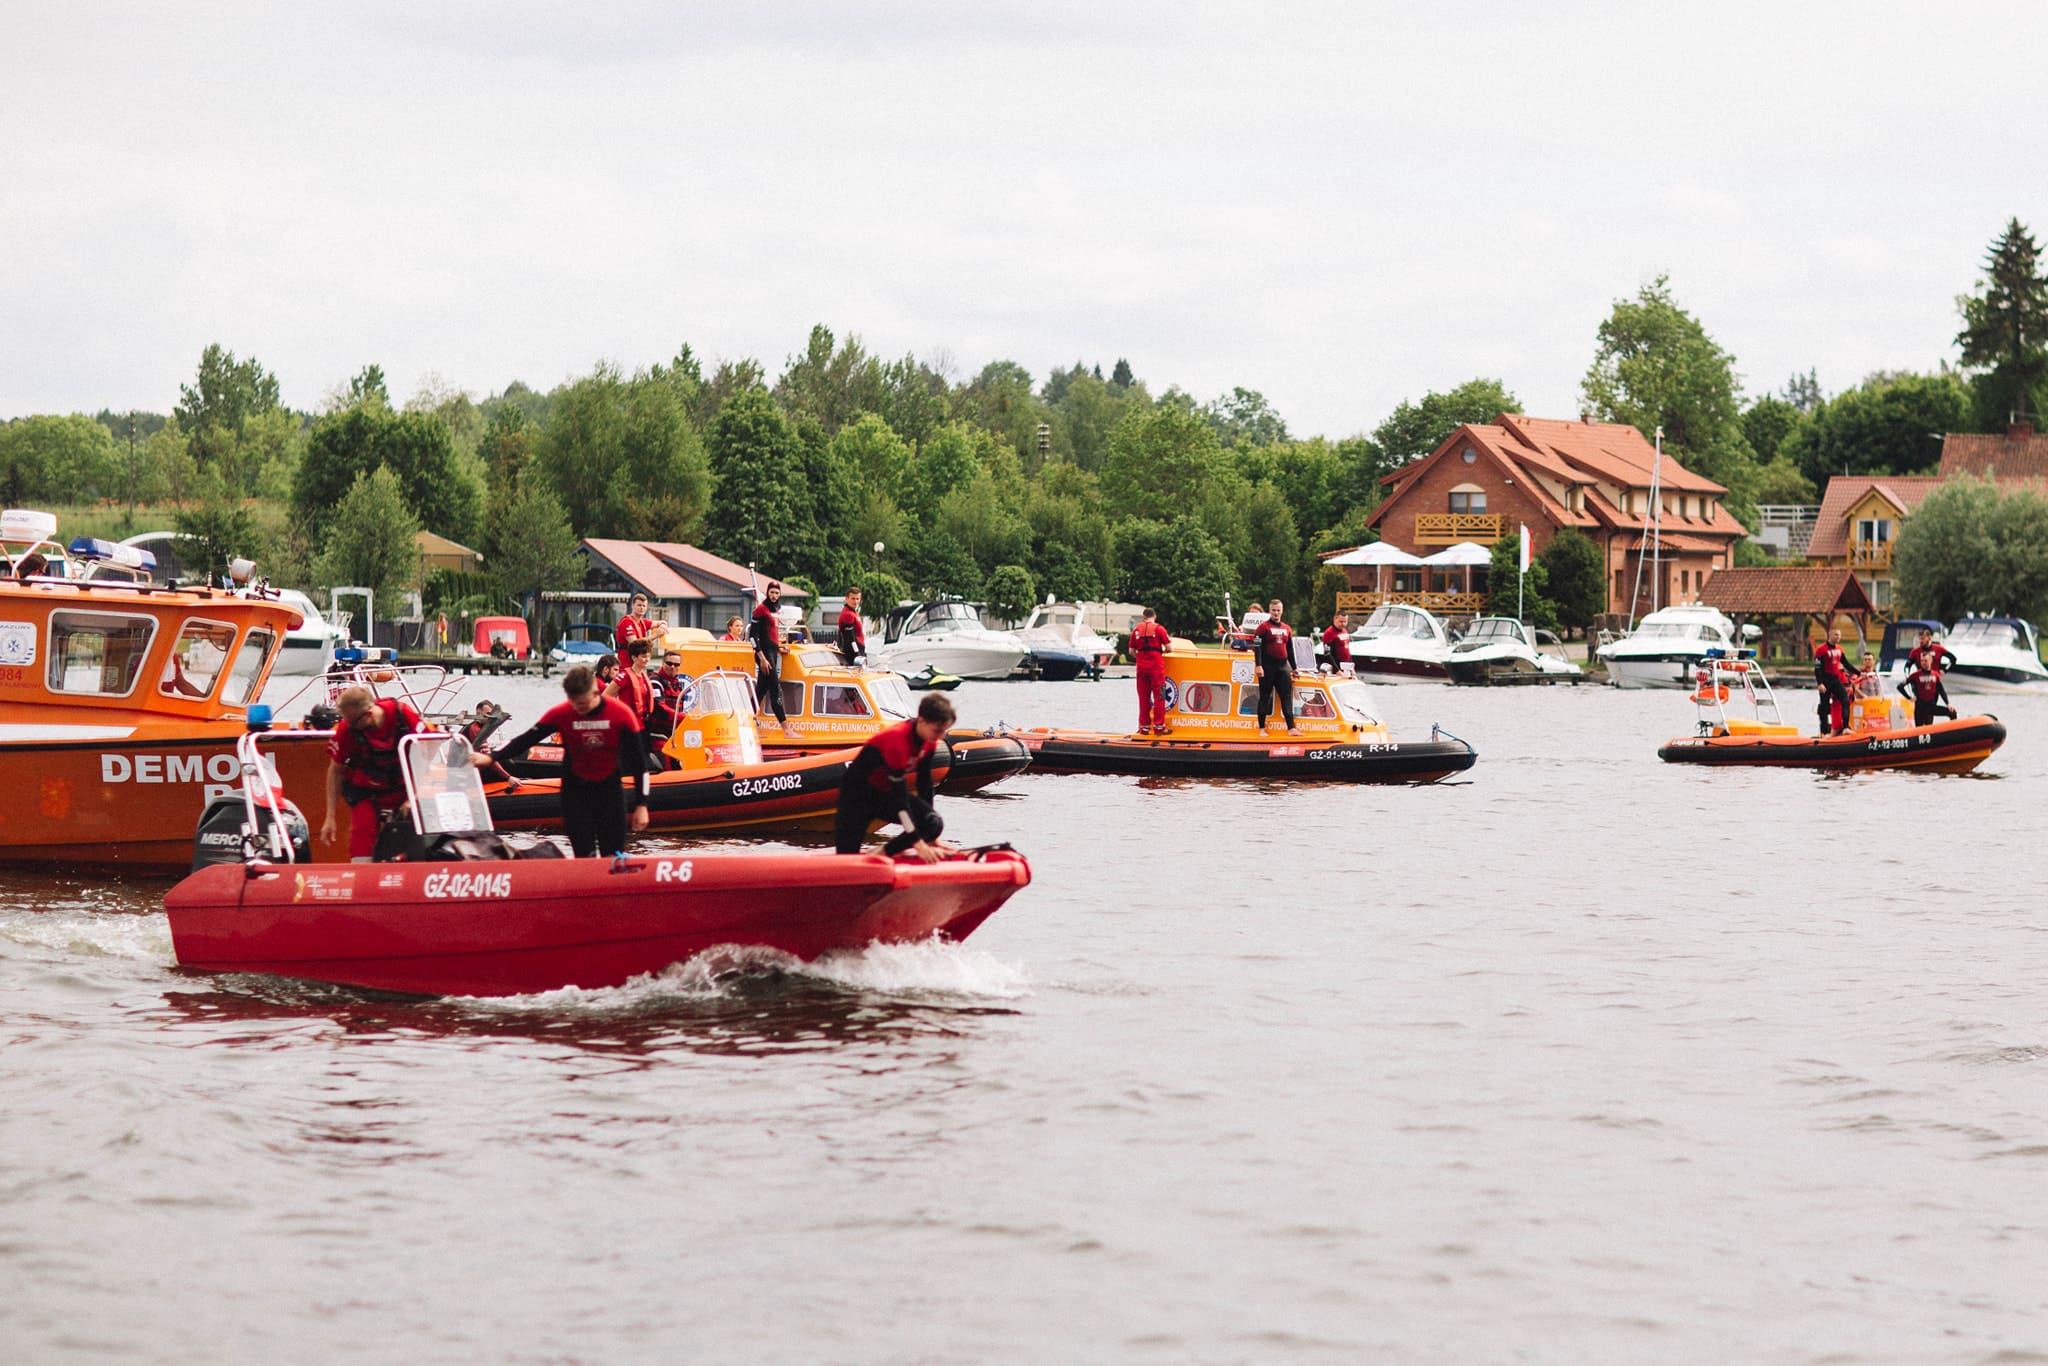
[{"x": 1708, "y": 695}]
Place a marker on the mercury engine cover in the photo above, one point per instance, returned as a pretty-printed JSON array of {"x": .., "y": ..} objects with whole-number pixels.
[{"x": 220, "y": 833}]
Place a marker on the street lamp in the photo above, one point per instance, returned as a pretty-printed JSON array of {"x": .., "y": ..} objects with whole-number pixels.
[{"x": 879, "y": 548}]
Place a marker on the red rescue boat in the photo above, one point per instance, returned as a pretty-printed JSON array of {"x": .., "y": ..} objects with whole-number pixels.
[{"x": 452, "y": 923}]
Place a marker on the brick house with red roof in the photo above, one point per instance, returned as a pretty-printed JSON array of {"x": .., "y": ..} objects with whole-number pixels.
[
  {"x": 1488, "y": 479},
  {"x": 685, "y": 586}
]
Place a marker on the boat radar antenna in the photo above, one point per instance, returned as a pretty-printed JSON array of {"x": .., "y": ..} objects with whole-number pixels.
[{"x": 1651, "y": 534}]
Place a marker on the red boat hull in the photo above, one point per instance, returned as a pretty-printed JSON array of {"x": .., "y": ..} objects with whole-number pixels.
[{"x": 508, "y": 928}]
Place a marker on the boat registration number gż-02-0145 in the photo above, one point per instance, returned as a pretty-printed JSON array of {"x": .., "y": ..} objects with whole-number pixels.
[{"x": 466, "y": 884}]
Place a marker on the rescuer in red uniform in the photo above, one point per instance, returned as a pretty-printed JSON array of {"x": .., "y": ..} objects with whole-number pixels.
[
  {"x": 877, "y": 784},
  {"x": 1927, "y": 652},
  {"x": 1337, "y": 642},
  {"x": 1273, "y": 665},
  {"x": 635, "y": 625},
  {"x": 1924, "y": 686},
  {"x": 1150, "y": 644},
  {"x": 853, "y": 633},
  {"x": 601, "y": 742},
  {"x": 766, "y": 633},
  {"x": 363, "y": 765},
  {"x": 1831, "y": 673},
  {"x": 632, "y": 687}
]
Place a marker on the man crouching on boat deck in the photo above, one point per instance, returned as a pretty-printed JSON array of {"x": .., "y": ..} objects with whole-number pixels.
[
  {"x": 363, "y": 765},
  {"x": 877, "y": 784},
  {"x": 601, "y": 742}
]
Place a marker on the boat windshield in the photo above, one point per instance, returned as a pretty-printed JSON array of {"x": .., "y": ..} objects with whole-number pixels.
[
  {"x": 1495, "y": 628},
  {"x": 944, "y": 616},
  {"x": 892, "y": 697},
  {"x": 1355, "y": 701},
  {"x": 1995, "y": 634},
  {"x": 447, "y": 793},
  {"x": 1394, "y": 620},
  {"x": 1673, "y": 630},
  {"x": 715, "y": 693}
]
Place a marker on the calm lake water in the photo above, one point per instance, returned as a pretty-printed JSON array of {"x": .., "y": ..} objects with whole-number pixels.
[{"x": 1584, "y": 1058}]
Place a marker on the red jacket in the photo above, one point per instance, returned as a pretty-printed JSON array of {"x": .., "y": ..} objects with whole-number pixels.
[{"x": 637, "y": 693}]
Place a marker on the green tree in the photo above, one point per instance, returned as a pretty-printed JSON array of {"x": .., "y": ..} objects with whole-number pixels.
[
  {"x": 1655, "y": 366},
  {"x": 622, "y": 456},
  {"x": 536, "y": 550},
  {"x": 1010, "y": 592},
  {"x": 762, "y": 513},
  {"x": 216, "y": 516},
  {"x": 876, "y": 455},
  {"x": 1273, "y": 567},
  {"x": 1574, "y": 578},
  {"x": 1889, "y": 424},
  {"x": 1780, "y": 481},
  {"x": 1504, "y": 582},
  {"x": 1000, "y": 400},
  {"x": 1244, "y": 418},
  {"x": 215, "y": 410},
  {"x": 373, "y": 537},
  {"x": 68, "y": 459},
  {"x": 951, "y": 459},
  {"x": 1121, "y": 375},
  {"x": 1971, "y": 548},
  {"x": 1413, "y": 430},
  {"x": 914, "y": 400},
  {"x": 1175, "y": 567},
  {"x": 416, "y": 449},
  {"x": 1163, "y": 462},
  {"x": 1767, "y": 422},
  {"x": 828, "y": 385},
  {"x": 1328, "y": 582},
  {"x": 2005, "y": 329},
  {"x": 974, "y": 518},
  {"x": 1313, "y": 477}
]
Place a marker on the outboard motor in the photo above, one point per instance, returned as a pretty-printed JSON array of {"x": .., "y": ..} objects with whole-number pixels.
[{"x": 221, "y": 829}]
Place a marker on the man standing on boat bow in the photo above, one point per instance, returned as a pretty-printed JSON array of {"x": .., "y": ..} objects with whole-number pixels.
[
  {"x": 766, "y": 633},
  {"x": 1273, "y": 666},
  {"x": 1150, "y": 644},
  {"x": 1831, "y": 675},
  {"x": 601, "y": 743},
  {"x": 853, "y": 634}
]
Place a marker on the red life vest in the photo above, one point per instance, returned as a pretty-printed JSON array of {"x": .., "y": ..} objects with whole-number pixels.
[
  {"x": 629, "y": 630},
  {"x": 637, "y": 693},
  {"x": 371, "y": 755},
  {"x": 1149, "y": 643}
]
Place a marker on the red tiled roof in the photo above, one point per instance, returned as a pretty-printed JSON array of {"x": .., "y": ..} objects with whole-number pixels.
[
  {"x": 1831, "y": 525},
  {"x": 1612, "y": 451},
  {"x": 664, "y": 568},
  {"x": 2018, "y": 454},
  {"x": 1759, "y": 592}
]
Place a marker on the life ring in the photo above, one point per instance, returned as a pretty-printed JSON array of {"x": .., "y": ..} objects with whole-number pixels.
[
  {"x": 1711, "y": 693},
  {"x": 1198, "y": 697}
]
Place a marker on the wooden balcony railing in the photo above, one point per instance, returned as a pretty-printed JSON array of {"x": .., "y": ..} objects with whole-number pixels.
[
  {"x": 1449, "y": 528},
  {"x": 1870, "y": 555},
  {"x": 1443, "y": 604}
]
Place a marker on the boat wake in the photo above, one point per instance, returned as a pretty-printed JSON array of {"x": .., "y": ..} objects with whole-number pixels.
[
  {"x": 934, "y": 971},
  {"x": 86, "y": 930}
]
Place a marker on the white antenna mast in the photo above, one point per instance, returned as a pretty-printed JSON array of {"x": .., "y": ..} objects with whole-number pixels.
[{"x": 1652, "y": 534}]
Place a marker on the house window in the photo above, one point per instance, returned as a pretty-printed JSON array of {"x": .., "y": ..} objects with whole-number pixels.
[
  {"x": 1880, "y": 593},
  {"x": 1467, "y": 498},
  {"x": 1873, "y": 530}
]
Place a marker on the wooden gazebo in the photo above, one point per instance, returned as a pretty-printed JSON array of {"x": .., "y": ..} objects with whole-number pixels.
[{"x": 1800, "y": 594}]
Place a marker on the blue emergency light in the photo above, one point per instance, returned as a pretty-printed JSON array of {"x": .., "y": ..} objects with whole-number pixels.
[{"x": 112, "y": 552}]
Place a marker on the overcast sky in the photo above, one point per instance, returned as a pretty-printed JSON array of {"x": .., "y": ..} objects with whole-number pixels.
[{"x": 1342, "y": 206}]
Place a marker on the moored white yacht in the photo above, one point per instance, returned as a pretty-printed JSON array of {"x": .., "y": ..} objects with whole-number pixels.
[
  {"x": 947, "y": 636},
  {"x": 1502, "y": 649},
  {"x": 1400, "y": 643},
  {"x": 309, "y": 647},
  {"x": 1064, "y": 644},
  {"x": 1993, "y": 655},
  {"x": 1665, "y": 645}
]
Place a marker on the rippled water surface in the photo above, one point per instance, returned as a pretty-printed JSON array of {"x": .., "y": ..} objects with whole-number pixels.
[{"x": 1584, "y": 1058}]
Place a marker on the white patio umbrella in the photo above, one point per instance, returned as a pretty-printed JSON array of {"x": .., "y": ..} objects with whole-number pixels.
[
  {"x": 1379, "y": 554},
  {"x": 1463, "y": 553}
]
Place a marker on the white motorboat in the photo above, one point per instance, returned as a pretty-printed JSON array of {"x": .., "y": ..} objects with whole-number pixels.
[
  {"x": 1504, "y": 650},
  {"x": 1665, "y": 645},
  {"x": 1401, "y": 644},
  {"x": 947, "y": 636},
  {"x": 310, "y": 649},
  {"x": 1992, "y": 655},
  {"x": 1059, "y": 631}
]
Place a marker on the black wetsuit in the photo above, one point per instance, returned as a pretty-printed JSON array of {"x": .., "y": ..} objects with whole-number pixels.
[
  {"x": 598, "y": 747},
  {"x": 1831, "y": 675},
  {"x": 766, "y": 633},
  {"x": 877, "y": 788},
  {"x": 1273, "y": 648},
  {"x": 1929, "y": 694}
]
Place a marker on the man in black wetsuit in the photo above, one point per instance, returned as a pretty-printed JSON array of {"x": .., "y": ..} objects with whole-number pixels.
[
  {"x": 601, "y": 743},
  {"x": 766, "y": 632},
  {"x": 876, "y": 786},
  {"x": 1831, "y": 675},
  {"x": 1273, "y": 666},
  {"x": 1929, "y": 694}
]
